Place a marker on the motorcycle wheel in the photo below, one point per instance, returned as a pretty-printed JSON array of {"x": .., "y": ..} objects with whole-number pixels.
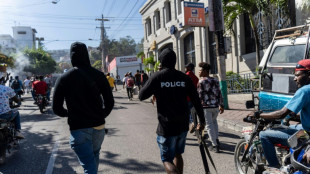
[
  {"x": 41, "y": 108},
  {"x": 2, "y": 148},
  {"x": 245, "y": 167}
]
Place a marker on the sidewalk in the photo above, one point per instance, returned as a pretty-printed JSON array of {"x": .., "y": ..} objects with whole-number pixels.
[{"x": 231, "y": 118}]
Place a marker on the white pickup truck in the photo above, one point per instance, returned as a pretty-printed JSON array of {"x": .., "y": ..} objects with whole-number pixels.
[{"x": 277, "y": 67}]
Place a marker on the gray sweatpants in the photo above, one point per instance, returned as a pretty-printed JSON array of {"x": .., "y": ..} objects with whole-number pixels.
[{"x": 211, "y": 123}]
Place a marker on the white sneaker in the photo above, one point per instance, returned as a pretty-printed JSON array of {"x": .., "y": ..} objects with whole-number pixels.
[{"x": 19, "y": 135}]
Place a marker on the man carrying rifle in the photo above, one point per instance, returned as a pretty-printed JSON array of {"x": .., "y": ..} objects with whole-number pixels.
[{"x": 171, "y": 87}]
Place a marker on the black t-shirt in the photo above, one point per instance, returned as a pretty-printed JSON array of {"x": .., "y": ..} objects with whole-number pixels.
[{"x": 171, "y": 88}]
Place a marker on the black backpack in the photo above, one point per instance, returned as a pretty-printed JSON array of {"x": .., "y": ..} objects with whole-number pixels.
[{"x": 15, "y": 84}]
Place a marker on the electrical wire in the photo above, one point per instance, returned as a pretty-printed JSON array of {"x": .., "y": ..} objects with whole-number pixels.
[{"x": 126, "y": 17}]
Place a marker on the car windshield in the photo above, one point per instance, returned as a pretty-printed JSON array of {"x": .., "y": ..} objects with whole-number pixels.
[{"x": 288, "y": 54}]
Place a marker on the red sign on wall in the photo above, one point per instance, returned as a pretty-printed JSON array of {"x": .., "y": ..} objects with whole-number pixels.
[{"x": 194, "y": 14}]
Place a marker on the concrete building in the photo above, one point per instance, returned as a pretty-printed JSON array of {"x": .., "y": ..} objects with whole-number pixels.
[
  {"x": 7, "y": 43},
  {"x": 24, "y": 37},
  {"x": 164, "y": 28}
]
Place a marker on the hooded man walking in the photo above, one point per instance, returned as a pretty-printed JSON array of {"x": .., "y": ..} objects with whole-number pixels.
[
  {"x": 89, "y": 100},
  {"x": 171, "y": 87}
]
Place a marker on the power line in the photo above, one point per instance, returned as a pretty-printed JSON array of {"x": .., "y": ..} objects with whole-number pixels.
[
  {"x": 126, "y": 17},
  {"x": 112, "y": 5}
]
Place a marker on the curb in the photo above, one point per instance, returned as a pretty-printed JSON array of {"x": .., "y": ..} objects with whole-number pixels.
[{"x": 235, "y": 126}]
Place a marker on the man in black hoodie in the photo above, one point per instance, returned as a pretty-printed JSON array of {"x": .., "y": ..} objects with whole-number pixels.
[
  {"x": 171, "y": 87},
  {"x": 89, "y": 101}
]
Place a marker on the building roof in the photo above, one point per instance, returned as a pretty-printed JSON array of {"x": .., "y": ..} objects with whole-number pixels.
[{"x": 5, "y": 36}]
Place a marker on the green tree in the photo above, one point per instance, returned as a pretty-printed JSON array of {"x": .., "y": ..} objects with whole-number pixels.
[
  {"x": 97, "y": 64},
  {"x": 94, "y": 56},
  {"x": 124, "y": 47},
  {"x": 234, "y": 8},
  {"x": 41, "y": 62}
]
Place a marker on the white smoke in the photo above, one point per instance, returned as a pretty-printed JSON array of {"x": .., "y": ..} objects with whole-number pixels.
[{"x": 21, "y": 61}]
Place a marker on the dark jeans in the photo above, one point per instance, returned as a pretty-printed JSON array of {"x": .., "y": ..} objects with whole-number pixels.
[
  {"x": 129, "y": 93},
  {"x": 12, "y": 115}
]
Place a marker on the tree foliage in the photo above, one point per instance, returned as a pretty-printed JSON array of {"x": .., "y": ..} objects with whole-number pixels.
[
  {"x": 123, "y": 47},
  {"x": 97, "y": 64},
  {"x": 234, "y": 8},
  {"x": 41, "y": 62}
]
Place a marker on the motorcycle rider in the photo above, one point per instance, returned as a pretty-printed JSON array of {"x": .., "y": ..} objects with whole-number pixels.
[
  {"x": 299, "y": 103},
  {"x": 6, "y": 112},
  {"x": 40, "y": 87},
  {"x": 18, "y": 86}
]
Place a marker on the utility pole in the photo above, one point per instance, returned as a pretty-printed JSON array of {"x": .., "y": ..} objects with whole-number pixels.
[
  {"x": 103, "y": 68},
  {"x": 216, "y": 24}
]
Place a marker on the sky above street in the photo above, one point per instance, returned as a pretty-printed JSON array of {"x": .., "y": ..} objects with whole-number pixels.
[{"x": 67, "y": 21}]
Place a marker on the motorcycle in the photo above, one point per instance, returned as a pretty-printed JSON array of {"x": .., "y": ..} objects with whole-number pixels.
[
  {"x": 8, "y": 142},
  {"x": 299, "y": 144},
  {"x": 41, "y": 101},
  {"x": 248, "y": 155}
]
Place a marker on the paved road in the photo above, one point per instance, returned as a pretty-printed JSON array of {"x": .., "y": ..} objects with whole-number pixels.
[{"x": 130, "y": 146}]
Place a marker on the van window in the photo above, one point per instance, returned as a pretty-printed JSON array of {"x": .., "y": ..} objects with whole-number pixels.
[{"x": 288, "y": 54}]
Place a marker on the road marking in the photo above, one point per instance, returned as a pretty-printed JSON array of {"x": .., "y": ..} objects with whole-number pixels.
[{"x": 50, "y": 166}]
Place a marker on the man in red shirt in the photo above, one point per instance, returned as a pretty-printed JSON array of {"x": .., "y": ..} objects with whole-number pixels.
[
  {"x": 189, "y": 68},
  {"x": 40, "y": 87}
]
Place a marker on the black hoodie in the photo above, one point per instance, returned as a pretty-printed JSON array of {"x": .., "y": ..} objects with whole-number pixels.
[
  {"x": 171, "y": 88},
  {"x": 82, "y": 87}
]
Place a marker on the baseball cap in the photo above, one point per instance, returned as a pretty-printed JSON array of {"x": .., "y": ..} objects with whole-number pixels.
[{"x": 303, "y": 65}]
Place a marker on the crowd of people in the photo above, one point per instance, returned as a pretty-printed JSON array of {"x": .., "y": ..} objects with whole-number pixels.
[
  {"x": 12, "y": 89},
  {"x": 178, "y": 96}
]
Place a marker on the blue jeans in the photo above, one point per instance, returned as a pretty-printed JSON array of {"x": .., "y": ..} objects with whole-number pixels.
[
  {"x": 171, "y": 146},
  {"x": 48, "y": 94},
  {"x": 276, "y": 136},
  {"x": 86, "y": 143},
  {"x": 190, "y": 106},
  {"x": 12, "y": 115}
]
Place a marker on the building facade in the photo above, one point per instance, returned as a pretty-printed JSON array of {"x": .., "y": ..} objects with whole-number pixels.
[
  {"x": 7, "y": 43},
  {"x": 163, "y": 28},
  {"x": 24, "y": 37}
]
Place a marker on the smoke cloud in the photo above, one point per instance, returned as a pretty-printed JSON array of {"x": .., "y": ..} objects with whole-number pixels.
[{"x": 21, "y": 61}]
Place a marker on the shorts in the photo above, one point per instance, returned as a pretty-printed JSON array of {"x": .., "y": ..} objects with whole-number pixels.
[{"x": 170, "y": 146}]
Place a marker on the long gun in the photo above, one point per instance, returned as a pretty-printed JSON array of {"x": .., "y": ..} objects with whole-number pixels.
[
  {"x": 307, "y": 44},
  {"x": 203, "y": 146}
]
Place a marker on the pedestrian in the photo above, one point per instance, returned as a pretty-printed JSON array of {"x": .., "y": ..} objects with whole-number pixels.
[
  {"x": 171, "y": 87},
  {"x": 48, "y": 81},
  {"x": 27, "y": 86},
  {"x": 189, "y": 68},
  {"x": 129, "y": 82},
  {"x": 138, "y": 79},
  {"x": 111, "y": 82},
  {"x": 84, "y": 89},
  {"x": 212, "y": 102},
  {"x": 144, "y": 78}
]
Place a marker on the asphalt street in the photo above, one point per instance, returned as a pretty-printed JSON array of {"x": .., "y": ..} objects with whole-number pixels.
[{"x": 129, "y": 147}]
